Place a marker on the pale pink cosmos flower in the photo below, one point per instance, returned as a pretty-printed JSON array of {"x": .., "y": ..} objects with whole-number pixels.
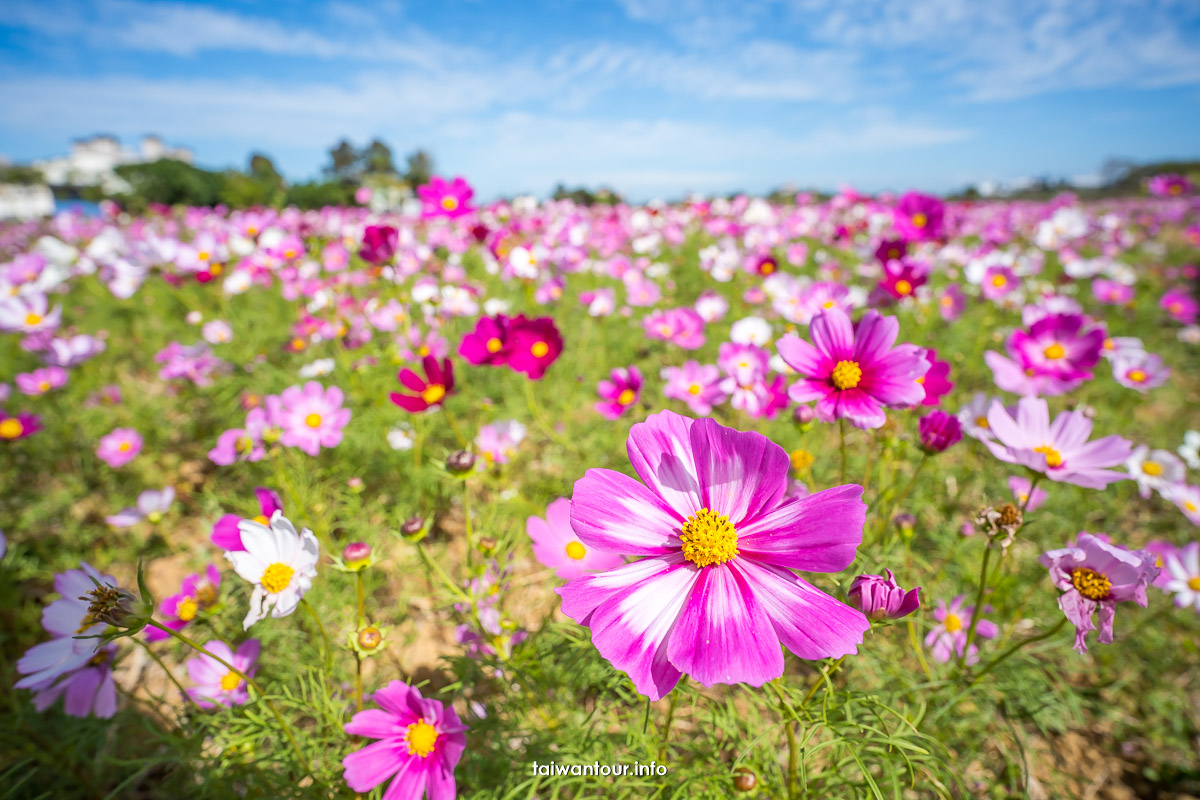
[
  {"x": 1020, "y": 488},
  {"x": 949, "y": 637},
  {"x": 696, "y": 384},
  {"x": 556, "y": 546},
  {"x": 41, "y": 380},
  {"x": 216, "y": 685},
  {"x": 119, "y": 447},
  {"x": 620, "y": 392},
  {"x": 311, "y": 417}
]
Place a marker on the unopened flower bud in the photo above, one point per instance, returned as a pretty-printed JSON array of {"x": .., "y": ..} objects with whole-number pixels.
[
  {"x": 882, "y": 598},
  {"x": 460, "y": 461},
  {"x": 356, "y": 555},
  {"x": 355, "y": 485},
  {"x": 487, "y": 545},
  {"x": 939, "y": 431},
  {"x": 370, "y": 638},
  {"x": 117, "y": 607},
  {"x": 803, "y": 415},
  {"x": 413, "y": 525},
  {"x": 744, "y": 779}
]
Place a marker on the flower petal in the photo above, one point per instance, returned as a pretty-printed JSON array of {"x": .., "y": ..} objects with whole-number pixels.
[{"x": 818, "y": 533}]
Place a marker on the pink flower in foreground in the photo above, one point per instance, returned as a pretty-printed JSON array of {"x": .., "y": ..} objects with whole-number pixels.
[
  {"x": 619, "y": 393},
  {"x": 312, "y": 417},
  {"x": 852, "y": 371},
  {"x": 215, "y": 683},
  {"x": 1059, "y": 450},
  {"x": 1094, "y": 576},
  {"x": 421, "y": 742},
  {"x": 715, "y": 595},
  {"x": 119, "y": 447},
  {"x": 556, "y": 546}
]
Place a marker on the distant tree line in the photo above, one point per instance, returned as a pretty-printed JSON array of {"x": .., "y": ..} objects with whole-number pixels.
[
  {"x": 1118, "y": 178},
  {"x": 170, "y": 182}
]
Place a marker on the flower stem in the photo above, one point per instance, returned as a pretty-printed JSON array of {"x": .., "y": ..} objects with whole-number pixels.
[
  {"x": 462, "y": 441},
  {"x": 916, "y": 647},
  {"x": 789, "y": 716},
  {"x": 826, "y": 672},
  {"x": 866, "y": 480},
  {"x": 434, "y": 567},
  {"x": 287, "y": 729},
  {"x": 666, "y": 735},
  {"x": 900, "y": 498},
  {"x": 467, "y": 524},
  {"x": 977, "y": 611},
  {"x": 358, "y": 692},
  {"x": 996, "y": 661},
  {"x": 170, "y": 674},
  {"x": 842, "y": 447},
  {"x": 324, "y": 636}
]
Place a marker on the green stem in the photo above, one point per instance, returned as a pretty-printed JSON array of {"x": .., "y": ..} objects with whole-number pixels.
[
  {"x": 462, "y": 441},
  {"x": 324, "y": 636},
  {"x": 977, "y": 611},
  {"x": 826, "y": 673},
  {"x": 842, "y": 447},
  {"x": 434, "y": 567},
  {"x": 998, "y": 659},
  {"x": 538, "y": 419},
  {"x": 287, "y": 729},
  {"x": 170, "y": 674},
  {"x": 866, "y": 481},
  {"x": 916, "y": 647},
  {"x": 467, "y": 524},
  {"x": 358, "y": 692},
  {"x": 900, "y": 498},
  {"x": 789, "y": 716},
  {"x": 666, "y": 736}
]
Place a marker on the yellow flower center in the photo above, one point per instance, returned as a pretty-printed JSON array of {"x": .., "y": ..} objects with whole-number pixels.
[
  {"x": 921, "y": 380},
  {"x": 313, "y": 420},
  {"x": 11, "y": 428},
  {"x": 920, "y": 220},
  {"x": 243, "y": 444},
  {"x": 1053, "y": 457},
  {"x": 767, "y": 268},
  {"x": 576, "y": 551},
  {"x": 32, "y": 318},
  {"x": 1175, "y": 189},
  {"x": 1054, "y": 351},
  {"x": 1194, "y": 584},
  {"x": 494, "y": 345},
  {"x": 230, "y": 682},
  {"x": 903, "y": 287},
  {"x": 202, "y": 255},
  {"x": 846, "y": 375},
  {"x": 124, "y": 447},
  {"x": 433, "y": 393},
  {"x": 277, "y": 577},
  {"x": 298, "y": 344},
  {"x": 802, "y": 460},
  {"x": 982, "y": 422},
  {"x": 1152, "y": 468},
  {"x": 708, "y": 538},
  {"x": 261, "y": 519},
  {"x": 187, "y": 610},
  {"x": 1136, "y": 375},
  {"x": 1189, "y": 505},
  {"x": 952, "y": 623},
  {"x": 539, "y": 349},
  {"x": 44, "y": 386},
  {"x": 694, "y": 389},
  {"x": 1091, "y": 584},
  {"x": 625, "y": 397},
  {"x": 999, "y": 281},
  {"x": 421, "y": 737},
  {"x": 1108, "y": 344},
  {"x": 449, "y": 203},
  {"x": 423, "y": 351},
  {"x": 289, "y": 253},
  {"x": 829, "y": 304}
]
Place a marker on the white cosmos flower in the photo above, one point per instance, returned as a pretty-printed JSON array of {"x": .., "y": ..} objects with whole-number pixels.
[
  {"x": 280, "y": 562},
  {"x": 751, "y": 330},
  {"x": 317, "y": 369}
]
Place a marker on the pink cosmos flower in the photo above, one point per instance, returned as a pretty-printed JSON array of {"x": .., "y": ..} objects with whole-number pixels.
[
  {"x": 248, "y": 443},
  {"x": 28, "y": 314},
  {"x": 226, "y": 533},
  {"x": 1054, "y": 356},
  {"x": 533, "y": 345},
  {"x": 936, "y": 381},
  {"x": 379, "y": 244},
  {"x": 1020, "y": 488},
  {"x": 939, "y": 431},
  {"x": 18, "y": 426},
  {"x": 1182, "y": 575},
  {"x": 1111, "y": 292},
  {"x": 902, "y": 278},
  {"x": 432, "y": 390},
  {"x": 949, "y": 637},
  {"x": 952, "y": 302},
  {"x": 1140, "y": 370},
  {"x": 1170, "y": 184},
  {"x": 73, "y": 350},
  {"x": 556, "y": 546},
  {"x": 152, "y": 504},
  {"x": 119, "y": 447},
  {"x": 216, "y": 685},
  {"x": 497, "y": 442},
  {"x": 619, "y": 393},
  {"x": 1094, "y": 576},
  {"x": 998, "y": 282},
  {"x": 198, "y": 593},
  {"x": 311, "y": 417},
  {"x": 442, "y": 198},
  {"x": 882, "y": 598},
  {"x": 421, "y": 742},
  {"x": 696, "y": 384},
  {"x": 715, "y": 595},
  {"x": 1187, "y": 498},
  {"x": 217, "y": 331},
  {"x": 1059, "y": 450},
  {"x": 682, "y": 326},
  {"x": 852, "y": 371},
  {"x": 41, "y": 380},
  {"x": 919, "y": 217},
  {"x": 1180, "y": 304},
  {"x": 822, "y": 296}
]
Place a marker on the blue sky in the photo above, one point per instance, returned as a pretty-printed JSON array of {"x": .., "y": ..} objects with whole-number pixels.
[{"x": 652, "y": 97}]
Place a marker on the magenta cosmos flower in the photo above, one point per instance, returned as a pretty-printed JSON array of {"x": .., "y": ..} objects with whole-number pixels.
[
  {"x": 433, "y": 390},
  {"x": 379, "y": 244},
  {"x": 198, "y": 593},
  {"x": 882, "y": 598},
  {"x": 619, "y": 391},
  {"x": 311, "y": 417},
  {"x": 216, "y": 685},
  {"x": 698, "y": 385},
  {"x": 1060, "y": 450},
  {"x": 852, "y": 371},
  {"x": 18, "y": 426},
  {"x": 1094, "y": 576},
  {"x": 119, "y": 447},
  {"x": 226, "y": 534},
  {"x": 715, "y": 595},
  {"x": 442, "y": 198},
  {"x": 1054, "y": 356},
  {"x": 919, "y": 217},
  {"x": 949, "y": 637},
  {"x": 556, "y": 546},
  {"x": 421, "y": 742}
]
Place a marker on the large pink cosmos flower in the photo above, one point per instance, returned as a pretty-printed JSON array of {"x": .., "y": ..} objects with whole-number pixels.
[
  {"x": 420, "y": 742},
  {"x": 715, "y": 595},
  {"x": 1059, "y": 450},
  {"x": 1094, "y": 576},
  {"x": 852, "y": 371}
]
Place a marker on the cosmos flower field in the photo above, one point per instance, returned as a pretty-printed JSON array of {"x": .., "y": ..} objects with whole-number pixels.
[{"x": 861, "y": 496}]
